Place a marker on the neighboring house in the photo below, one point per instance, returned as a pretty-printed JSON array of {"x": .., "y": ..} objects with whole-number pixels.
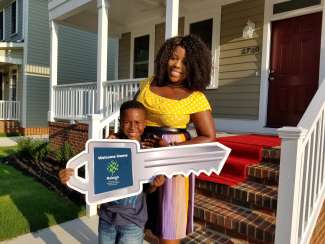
[
  {"x": 25, "y": 60},
  {"x": 268, "y": 65}
]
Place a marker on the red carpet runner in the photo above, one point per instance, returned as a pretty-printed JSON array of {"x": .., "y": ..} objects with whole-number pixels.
[{"x": 245, "y": 150}]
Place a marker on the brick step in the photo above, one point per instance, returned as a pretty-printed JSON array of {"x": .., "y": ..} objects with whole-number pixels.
[
  {"x": 206, "y": 235},
  {"x": 265, "y": 173},
  {"x": 237, "y": 220},
  {"x": 249, "y": 194},
  {"x": 271, "y": 155}
]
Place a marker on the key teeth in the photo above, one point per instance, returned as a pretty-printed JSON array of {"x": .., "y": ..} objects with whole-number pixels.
[{"x": 195, "y": 172}]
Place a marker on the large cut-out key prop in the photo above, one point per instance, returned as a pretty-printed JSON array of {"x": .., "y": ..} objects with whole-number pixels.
[{"x": 117, "y": 169}]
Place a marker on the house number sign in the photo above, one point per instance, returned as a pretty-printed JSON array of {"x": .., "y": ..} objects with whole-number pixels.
[
  {"x": 250, "y": 50},
  {"x": 117, "y": 168}
]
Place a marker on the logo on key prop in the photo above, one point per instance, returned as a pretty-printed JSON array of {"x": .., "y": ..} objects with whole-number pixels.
[{"x": 112, "y": 168}]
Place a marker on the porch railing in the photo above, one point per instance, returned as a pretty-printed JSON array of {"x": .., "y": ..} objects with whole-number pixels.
[
  {"x": 76, "y": 101},
  {"x": 117, "y": 92},
  {"x": 9, "y": 110},
  {"x": 302, "y": 174}
]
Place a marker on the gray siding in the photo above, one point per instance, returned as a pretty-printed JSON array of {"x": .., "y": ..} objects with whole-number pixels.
[
  {"x": 112, "y": 58},
  {"x": 7, "y": 11},
  {"x": 38, "y": 53},
  {"x": 124, "y": 56},
  {"x": 237, "y": 96},
  {"x": 37, "y": 108},
  {"x": 77, "y": 56}
]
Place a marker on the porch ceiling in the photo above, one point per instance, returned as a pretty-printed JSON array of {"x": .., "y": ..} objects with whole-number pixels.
[{"x": 123, "y": 14}]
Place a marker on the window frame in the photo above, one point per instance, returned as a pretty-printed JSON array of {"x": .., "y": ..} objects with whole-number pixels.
[
  {"x": 16, "y": 24},
  {"x": 3, "y": 24},
  {"x": 215, "y": 45}
]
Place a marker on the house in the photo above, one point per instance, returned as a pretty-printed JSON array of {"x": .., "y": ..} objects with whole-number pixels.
[
  {"x": 25, "y": 60},
  {"x": 268, "y": 73}
]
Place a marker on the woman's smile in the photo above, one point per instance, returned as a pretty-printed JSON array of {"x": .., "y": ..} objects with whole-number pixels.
[{"x": 176, "y": 66}]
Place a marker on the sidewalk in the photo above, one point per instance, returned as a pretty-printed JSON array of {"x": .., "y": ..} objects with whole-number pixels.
[
  {"x": 82, "y": 230},
  {"x": 12, "y": 141}
]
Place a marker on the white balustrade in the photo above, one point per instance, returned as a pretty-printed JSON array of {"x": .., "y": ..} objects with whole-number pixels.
[
  {"x": 9, "y": 110},
  {"x": 77, "y": 101},
  {"x": 117, "y": 92},
  {"x": 302, "y": 174},
  {"x": 74, "y": 101}
]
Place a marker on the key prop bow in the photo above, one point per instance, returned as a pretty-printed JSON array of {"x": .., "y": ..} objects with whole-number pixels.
[{"x": 115, "y": 169}]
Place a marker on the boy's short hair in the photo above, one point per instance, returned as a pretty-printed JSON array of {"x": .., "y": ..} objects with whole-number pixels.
[{"x": 132, "y": 104}]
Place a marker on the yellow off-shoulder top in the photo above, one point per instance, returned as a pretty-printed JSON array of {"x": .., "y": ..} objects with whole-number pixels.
[{"x": 166, "y": 112}]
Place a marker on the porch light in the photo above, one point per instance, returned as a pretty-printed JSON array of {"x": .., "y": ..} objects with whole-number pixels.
[{"x": 249, "y": 30}]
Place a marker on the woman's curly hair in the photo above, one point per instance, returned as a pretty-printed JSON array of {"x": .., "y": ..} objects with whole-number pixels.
[{"x": 197, "y": 62}]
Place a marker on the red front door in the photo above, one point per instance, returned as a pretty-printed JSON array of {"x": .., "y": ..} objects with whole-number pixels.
[{"x": 294, "y": 68}]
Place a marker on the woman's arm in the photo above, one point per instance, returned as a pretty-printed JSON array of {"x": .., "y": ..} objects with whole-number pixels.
[{"x": 204, "y": 126}]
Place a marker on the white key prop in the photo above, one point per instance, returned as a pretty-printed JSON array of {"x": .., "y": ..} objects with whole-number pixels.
[{"x": 116, "y": 168}]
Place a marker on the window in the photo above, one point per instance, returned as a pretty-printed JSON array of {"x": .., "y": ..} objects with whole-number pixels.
[
  {"x": 1, "y": 26},
  {"x": 293, "y": 5},
  {"x": 141, "y": 57},
  {"x": 14, "y": 17},
  {"x": 203, "y": 29}
]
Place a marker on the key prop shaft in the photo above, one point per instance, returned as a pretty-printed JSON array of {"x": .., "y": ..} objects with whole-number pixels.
[{"x": 117, "y": 168}]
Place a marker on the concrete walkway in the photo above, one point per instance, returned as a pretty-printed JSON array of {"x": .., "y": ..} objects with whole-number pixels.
[
  {"x": 82, "y": 230},
  {"x": 12, "y": 141}
]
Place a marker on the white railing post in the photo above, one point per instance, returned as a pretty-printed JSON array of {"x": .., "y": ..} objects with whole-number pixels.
[
  {"x": 53, "y": 68},
  {"x": 172, "y": 9},
  {"x": 94, "y": 132},
  {"x": 322, "y": 50},
  {"x": 102, "y": 42},
  {"x": 288, "y": 210}
]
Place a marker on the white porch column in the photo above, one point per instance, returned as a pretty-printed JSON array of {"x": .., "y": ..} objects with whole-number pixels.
[
  {"x": 93, "y": 133},
  {"x": 289, "y": 194},
  {"x": 322, "y": 50},
  {"x": 102, "y": 42},
  {"x": 172, "y": 9},
  {"x": 53, "y": 67}
]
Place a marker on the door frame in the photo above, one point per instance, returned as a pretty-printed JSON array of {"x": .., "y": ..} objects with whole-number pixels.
[{"x": 269, "y": 17}]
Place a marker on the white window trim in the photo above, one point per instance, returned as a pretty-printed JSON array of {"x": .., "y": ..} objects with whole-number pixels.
[
  {"x": 3, "y": 24},
  {"x": 143, "y": 32},
  {"x": 14, "y": 33},
  {"x": 215, "y": 45}
]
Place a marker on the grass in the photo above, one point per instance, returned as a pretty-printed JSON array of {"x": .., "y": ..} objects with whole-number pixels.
[{"x": 27, "y": 205}]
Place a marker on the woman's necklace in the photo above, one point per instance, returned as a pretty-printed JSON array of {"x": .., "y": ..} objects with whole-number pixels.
[{"x": 181, "y": 85}]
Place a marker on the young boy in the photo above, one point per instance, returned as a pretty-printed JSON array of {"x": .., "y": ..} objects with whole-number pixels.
[{"x": 123, "y": 221}]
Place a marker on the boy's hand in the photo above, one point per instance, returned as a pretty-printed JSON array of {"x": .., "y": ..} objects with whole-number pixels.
[
  {"x": 112, "y": 136},
  {"x": 158, "y": 181},
  {"x": 65, "y": 175},
  {"x": 151, "y": 142}
]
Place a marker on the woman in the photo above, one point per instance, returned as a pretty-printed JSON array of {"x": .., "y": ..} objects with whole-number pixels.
[{"x": 173, "y": 98}]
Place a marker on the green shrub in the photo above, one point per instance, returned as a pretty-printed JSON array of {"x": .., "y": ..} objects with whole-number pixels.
[
  {"x": 64, "y": 153},
  {"x": 9, "y": 134},
  {"x": 34, "y": 149}
]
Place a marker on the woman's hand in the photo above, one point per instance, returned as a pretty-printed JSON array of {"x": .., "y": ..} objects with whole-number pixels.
[
  {"x": 65, "y": 175},
  {"x": 158, "y": 181}
]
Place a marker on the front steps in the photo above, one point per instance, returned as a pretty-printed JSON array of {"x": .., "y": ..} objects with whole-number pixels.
[{"x": 245, "y": 213}]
